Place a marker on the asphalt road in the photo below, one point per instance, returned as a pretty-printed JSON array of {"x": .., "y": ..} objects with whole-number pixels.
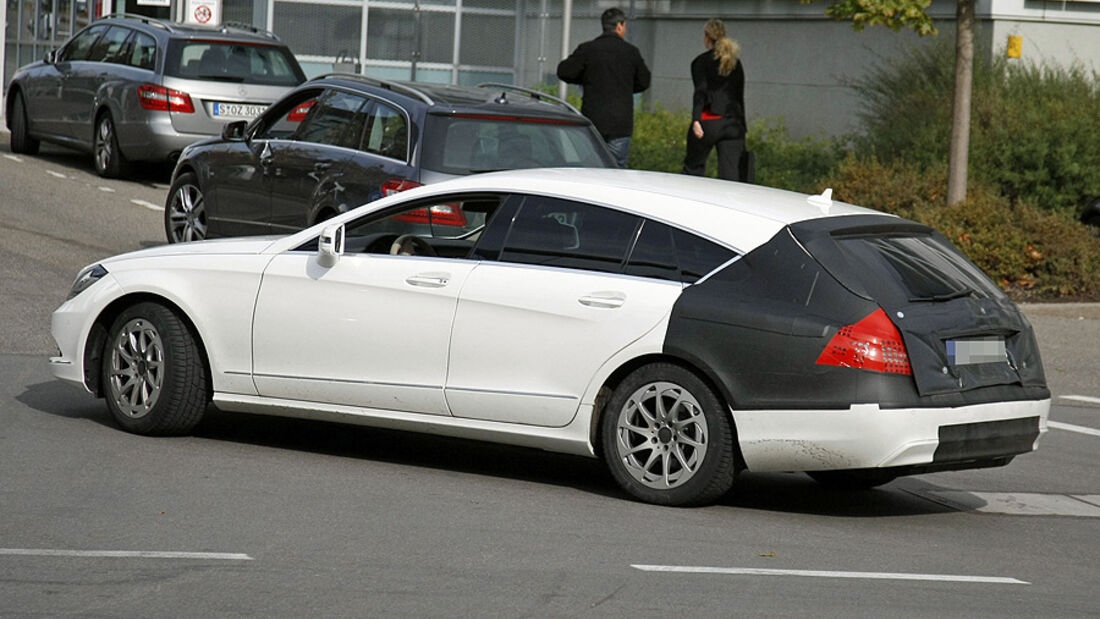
[{"x": 260, "y": 516}]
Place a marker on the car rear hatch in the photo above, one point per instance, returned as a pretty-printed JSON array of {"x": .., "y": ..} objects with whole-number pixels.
[
  {"x": 225, "y": 81},
  {"x": 960, "y": 332}
]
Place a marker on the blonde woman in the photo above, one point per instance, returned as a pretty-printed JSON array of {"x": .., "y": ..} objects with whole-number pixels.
[{"x": 718, "y": 106}]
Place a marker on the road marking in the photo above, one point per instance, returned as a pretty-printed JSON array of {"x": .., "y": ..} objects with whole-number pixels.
[
  {"x": 752, "y": 571},
  {"x": 56, "y": 174},
  {"x": 148, "y": 205},
  {"x": 1021, "y": 503},
  {"x": 1082, "y": 398},
  {"x": 124, "y": 554},
  {"x": 107, "y": 189},
  {"x": 1068, "y": 427},
  {"x": 14, "y": 158}
]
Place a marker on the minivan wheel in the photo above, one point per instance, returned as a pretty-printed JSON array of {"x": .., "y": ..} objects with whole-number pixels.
[
  {"x": 21, "y": 140},
  {"x": 185, "y": 212},
  {"x": 153, "y": 375},
  {"x": 109, "y": 162},
  {"x": 666, "y": 437}
]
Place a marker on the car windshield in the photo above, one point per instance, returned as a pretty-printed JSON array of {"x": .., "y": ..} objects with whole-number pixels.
[
  {"x": 466, "y": 144},
  {"x": 231, "y": 61}
]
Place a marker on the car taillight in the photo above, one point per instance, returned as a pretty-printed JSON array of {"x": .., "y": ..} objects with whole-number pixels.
[
  {"x": 153, "y": 97},
  {"x": 395, "y": 185},
  {"x": 873, "y": 343},
  {"x": 450, "y": 214},
  {"x": 298, "y": 114}
]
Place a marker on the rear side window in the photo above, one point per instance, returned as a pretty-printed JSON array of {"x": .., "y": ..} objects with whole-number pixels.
[
  {"x": 924, "y": 267},
  {"x": 233, "y": 62},
  {"x": 141, "y": 52},
  {"x": 466, "y": 144},
  {"x": 575, "y": 235},
  {"x": 332, "y": 122},
  {"x": 386, "y": 132},
  {"x": 663, "y": 252}
]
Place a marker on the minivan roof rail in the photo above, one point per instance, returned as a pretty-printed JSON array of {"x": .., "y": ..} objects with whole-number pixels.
[
  {"x": 374, "y": 81},
  {"x": 152, "y": 21},
  {"x": 531, "y": 92},
  {"x": 236, "y": 25}
]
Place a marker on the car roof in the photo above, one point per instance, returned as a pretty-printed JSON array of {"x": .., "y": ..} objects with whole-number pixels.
[
  {"x": 449, "y": 99},
  {"x": 739, "y": 215},
  {"x": 229, "y": 31}
]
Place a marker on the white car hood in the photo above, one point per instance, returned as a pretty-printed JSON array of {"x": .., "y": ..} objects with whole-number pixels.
[{"x": 243, "y": 245}]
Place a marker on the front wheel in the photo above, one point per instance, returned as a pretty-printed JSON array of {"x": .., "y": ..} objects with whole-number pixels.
[
  {"x": 666, "y": 437},
  {"x": 185, "y": 212},
  {"x": 154, "y": 376},
  {"x": 21, "y": 141},
  {"x": 109, "y": 162}
]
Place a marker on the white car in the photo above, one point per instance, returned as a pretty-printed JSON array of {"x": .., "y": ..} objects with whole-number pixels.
[{"x": 682, "y": 329}]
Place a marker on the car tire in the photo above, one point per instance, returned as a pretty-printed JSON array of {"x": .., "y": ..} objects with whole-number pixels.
[
  {"x": 109, "y": 162},
  {"x": 21, "y": 141},
  {"x": 153, "y": 374},
  {"x": 185, "y": 210},
  {"x": 852, "y": 480},
  {"x": 667, "y": 438}
]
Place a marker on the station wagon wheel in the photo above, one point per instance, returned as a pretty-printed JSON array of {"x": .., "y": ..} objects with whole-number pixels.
[
  {"x": 667, "y": 439},
  {"x": 153, "y": 375},
  {"x": 185, "y": 213},
  {"x": 108, "y": 158},
  {"x": 21, "y": 140}
]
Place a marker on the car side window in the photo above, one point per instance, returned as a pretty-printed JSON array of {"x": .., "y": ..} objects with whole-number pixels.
[
  {"x": 386, "y": 132},
  {"x": 107, "y": 48},
  {"x": 698, "y": 256},
  {"x": 447, "y": 227},
  {"x": 81, "y": 46},
  {"x": 332, "y": 120},
  {"x": 664, "y": 252},
  {"x": 563, "y": 233},
  {"x": 141, "y": 52},
  {"x": 283, "y": 119}
]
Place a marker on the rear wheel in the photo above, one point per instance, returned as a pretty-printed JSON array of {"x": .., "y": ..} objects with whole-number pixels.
[
  {"x": 109, "y": 162},
  {"x": 21, "y": 140},
  {"x": 667, "y": 439},
  {"x": 154, "y": 377},
  {"x": 185, "y": 212}
]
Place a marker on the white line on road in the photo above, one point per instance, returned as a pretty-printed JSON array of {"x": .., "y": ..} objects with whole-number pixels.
[
  {"x": 107, "y": 189},
  {"x": 125, "y": 554},
  {"x": 148, "y": 205},
  {"x": 1082, "y": 398},
  {"x": 56, "y": 174},
  {"x": 14, "y": 158},
  {"x": 751, "y": 571},
  {"x": 1057, "y": 425}
]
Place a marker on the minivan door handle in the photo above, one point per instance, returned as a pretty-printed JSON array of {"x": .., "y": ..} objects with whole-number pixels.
[{"x": 603, "y": 300}]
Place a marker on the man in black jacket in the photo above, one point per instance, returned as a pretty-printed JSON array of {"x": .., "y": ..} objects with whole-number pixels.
[{"x": 610, "y": 71}]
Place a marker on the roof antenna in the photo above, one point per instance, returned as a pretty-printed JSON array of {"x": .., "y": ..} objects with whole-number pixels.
[{"x": 822, "y": 201}]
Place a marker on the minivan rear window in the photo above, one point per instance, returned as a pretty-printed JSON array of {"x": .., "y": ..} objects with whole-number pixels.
[
  {"x": 483, "y": 143},
  {"x": 924, "y": 266},
  {"x": 230, "y": 61}
]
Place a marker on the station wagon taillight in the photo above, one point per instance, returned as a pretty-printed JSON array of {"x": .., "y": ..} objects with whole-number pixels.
[
  {"x": 873, "y": 343},
  {"x": 154, "y": 97},
  {"x": 298, "y": 114},
  {"x": 395, "y": 185}
]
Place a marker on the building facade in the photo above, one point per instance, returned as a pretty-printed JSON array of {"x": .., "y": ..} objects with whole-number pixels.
[{"x": 798, "y": 63}]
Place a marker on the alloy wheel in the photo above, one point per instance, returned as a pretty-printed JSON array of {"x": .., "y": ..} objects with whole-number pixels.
[
  {"x": 187, "y": 214},
  {"x": 135, "y": 372},
  {"x": 661, "y": 435}
]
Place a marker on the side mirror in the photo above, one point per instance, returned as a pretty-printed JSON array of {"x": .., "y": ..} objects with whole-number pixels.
[
  {"x": 331, "y": 245},
  {"x": 234, "y": 131},
  {"x": 51, "y": 57}
]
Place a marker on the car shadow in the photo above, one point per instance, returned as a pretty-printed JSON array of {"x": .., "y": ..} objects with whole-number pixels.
[
  {"x": 149, "y": 174},
  {"x": 793, "y": 493}
]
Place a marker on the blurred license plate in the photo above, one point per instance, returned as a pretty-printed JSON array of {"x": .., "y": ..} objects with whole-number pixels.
[
  {"x": 238, "y": 110},
  {"x": 977, "y": 350}
]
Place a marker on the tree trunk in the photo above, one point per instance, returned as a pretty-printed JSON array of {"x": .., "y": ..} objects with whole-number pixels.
[{"x": 960, "y": 117}]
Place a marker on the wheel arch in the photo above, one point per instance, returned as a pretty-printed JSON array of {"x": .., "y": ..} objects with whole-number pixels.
[
  {"x": 97, "y": 337},
  {"x": 620, "y": 373}
]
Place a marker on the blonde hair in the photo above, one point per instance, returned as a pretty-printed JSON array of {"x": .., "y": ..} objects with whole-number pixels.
[{"x": 726, "y": 50}]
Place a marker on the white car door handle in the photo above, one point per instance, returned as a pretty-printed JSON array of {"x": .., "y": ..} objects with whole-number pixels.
[
  {"x": 605, "y": 300},
  {"x": 429, "y": 280}
]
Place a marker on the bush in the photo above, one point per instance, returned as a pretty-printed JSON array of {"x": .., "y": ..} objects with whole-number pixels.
[
  {"x": 1035, "y": 129},
  {"x": 1030, "y": 252}
]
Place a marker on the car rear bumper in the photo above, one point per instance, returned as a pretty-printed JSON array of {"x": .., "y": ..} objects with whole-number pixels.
[
  {"x": 154, "y": 139},
  {"x": 866, "y": 436}
]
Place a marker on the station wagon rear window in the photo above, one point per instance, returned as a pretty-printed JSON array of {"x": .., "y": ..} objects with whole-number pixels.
[{"x": 229, "y": 61}]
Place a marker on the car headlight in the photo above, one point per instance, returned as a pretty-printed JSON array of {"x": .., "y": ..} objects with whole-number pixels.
[{"x": 86, "y": 278}]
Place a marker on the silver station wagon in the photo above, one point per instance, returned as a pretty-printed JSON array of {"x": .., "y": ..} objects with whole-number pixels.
[{"x": 131, "y": 88}]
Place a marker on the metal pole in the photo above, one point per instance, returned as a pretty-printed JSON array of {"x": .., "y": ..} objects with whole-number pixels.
[{"x": 566, "y": 21}]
